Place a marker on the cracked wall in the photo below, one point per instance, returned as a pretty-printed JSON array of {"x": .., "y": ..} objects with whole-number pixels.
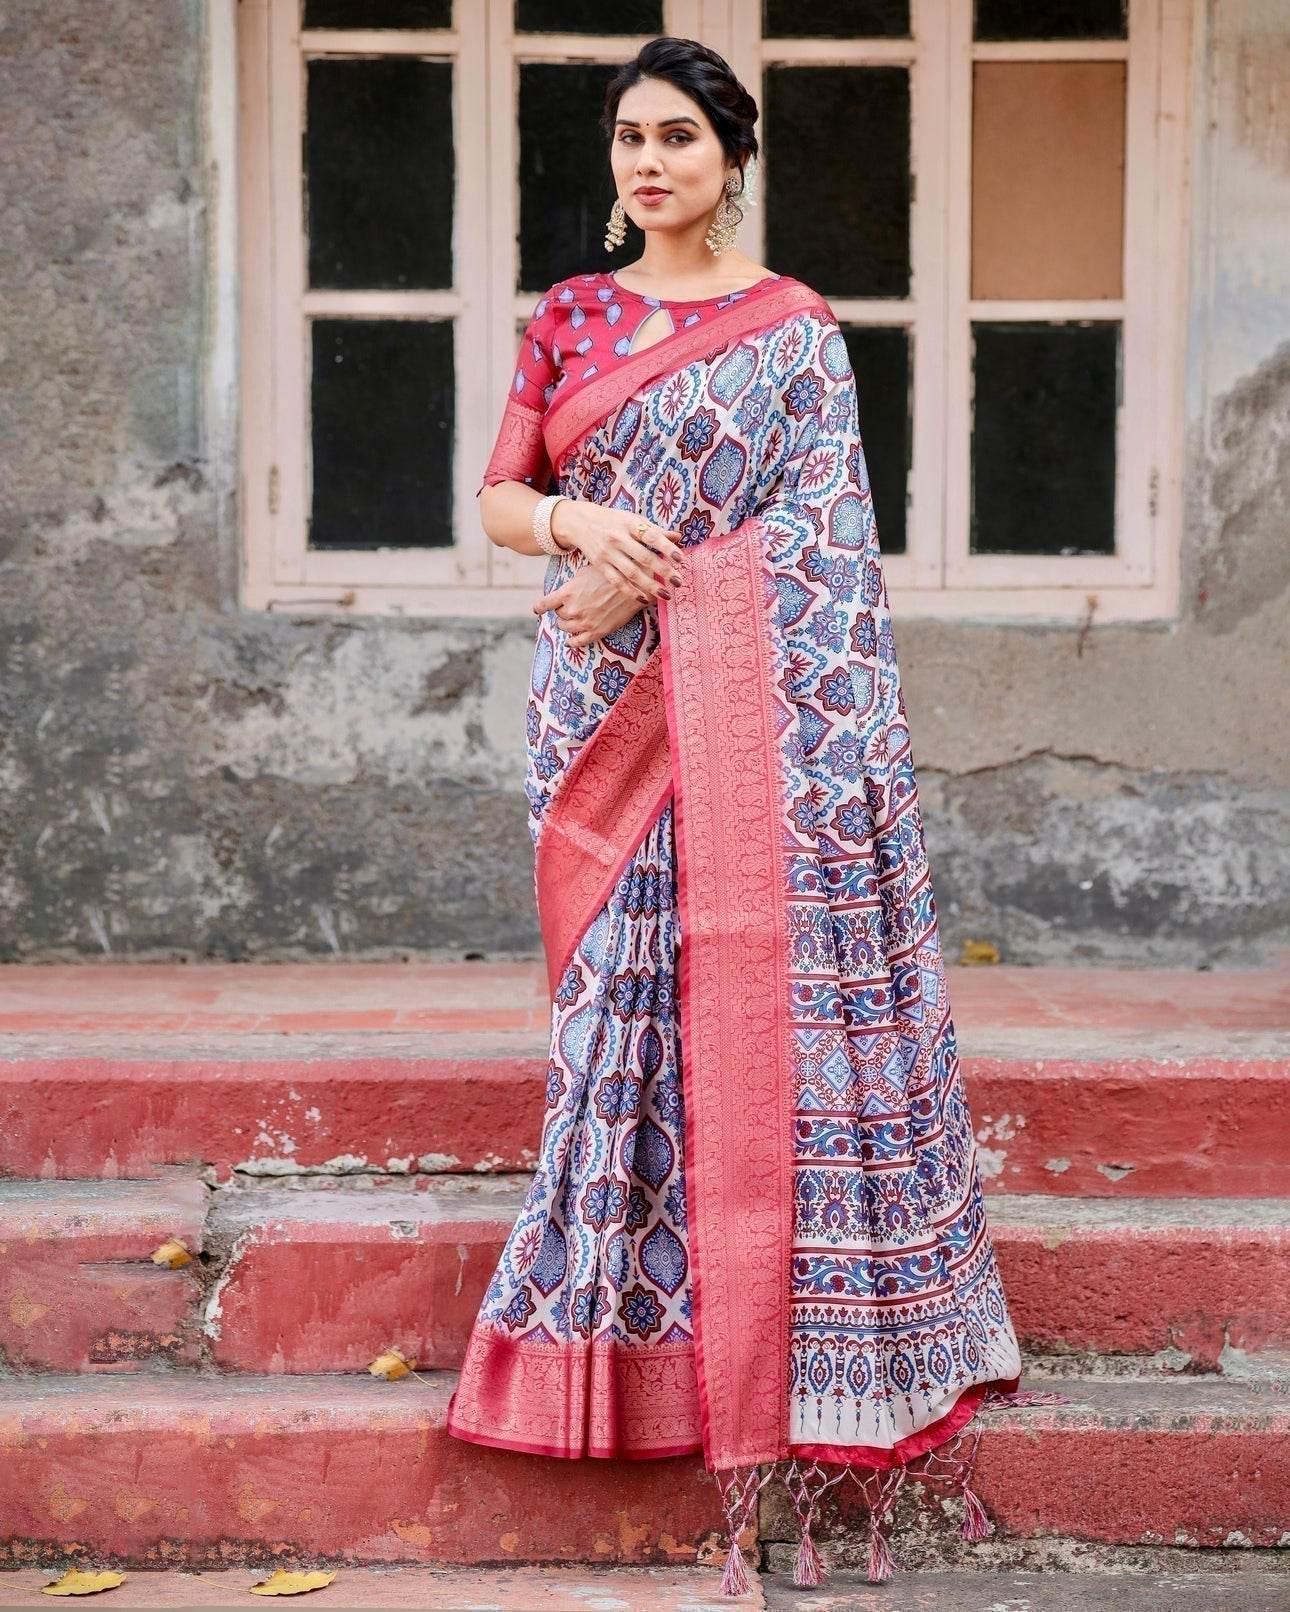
[{"x": 182, "y": 777}]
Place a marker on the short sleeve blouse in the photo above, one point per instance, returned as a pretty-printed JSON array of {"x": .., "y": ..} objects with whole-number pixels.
[{"x": 519, "y": 451}]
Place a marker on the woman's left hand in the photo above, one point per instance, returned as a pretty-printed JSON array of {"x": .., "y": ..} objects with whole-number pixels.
[{"x": 588, "y": 605}]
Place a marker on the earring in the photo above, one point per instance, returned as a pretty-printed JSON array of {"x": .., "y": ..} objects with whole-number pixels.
[
  {"x": 616, "y": 228},
  {"x": 725, "y": 221}
]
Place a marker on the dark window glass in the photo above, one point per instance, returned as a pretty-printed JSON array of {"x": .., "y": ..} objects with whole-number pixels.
[
  {"x": 880, "y": 357},
  {"x": 566, "y": 186},
  {"x": 378, "y": 13},
  {"x": 838, "y": 178},
  {"x": 835, "y": 19},
  {"x": 588, "y": 17},
  {"x": 1051, "y": 19},
  {"x": 382, "y": 418},
  {"x": 379, "y": 173},
  {"x": 1043, "y": 437}
]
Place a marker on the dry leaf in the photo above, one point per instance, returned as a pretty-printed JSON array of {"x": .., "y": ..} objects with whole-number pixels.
[
  {"x": 283, "y": 1582},
  {"x": 173, "y": 1253},
  {"x": 392, "y": 1365},
  {"x": 77, "y": 1581},
  {"x": 979, "y": 951}
]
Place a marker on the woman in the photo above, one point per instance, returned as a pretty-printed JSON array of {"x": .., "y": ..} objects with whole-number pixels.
[{"x": 756, "y": 1228}]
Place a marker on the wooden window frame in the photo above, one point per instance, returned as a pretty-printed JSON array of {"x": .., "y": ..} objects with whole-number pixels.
[{"x": 935, "y": 576}]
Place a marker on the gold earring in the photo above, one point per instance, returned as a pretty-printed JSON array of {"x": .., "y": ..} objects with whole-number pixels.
[
  {"x": 725, "y": 221},
  {"x": 616, "y": 228}
]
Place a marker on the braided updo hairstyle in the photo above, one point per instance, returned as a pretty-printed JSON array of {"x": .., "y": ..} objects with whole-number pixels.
[{"x": 704, "y": 76}]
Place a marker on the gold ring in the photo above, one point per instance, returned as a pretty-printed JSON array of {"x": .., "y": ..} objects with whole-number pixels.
[{"x": 641, "y": 528}]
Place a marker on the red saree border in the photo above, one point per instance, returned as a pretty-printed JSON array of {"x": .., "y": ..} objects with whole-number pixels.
[
  {"x": 614, "y": 789},
  {"x": 572, "y": 413},
  {"x": 732, "y": 994},
  {"x": 883, "y": 1458},
  {"x": 633, "y": 1402}
]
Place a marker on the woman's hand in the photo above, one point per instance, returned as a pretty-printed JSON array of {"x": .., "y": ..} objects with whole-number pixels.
[
  {"x": 626, "y": 550},
  {"x": 587, "y": 606}
]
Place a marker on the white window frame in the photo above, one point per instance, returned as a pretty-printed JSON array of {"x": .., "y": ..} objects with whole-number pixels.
[{"x": 936, "y": 576}]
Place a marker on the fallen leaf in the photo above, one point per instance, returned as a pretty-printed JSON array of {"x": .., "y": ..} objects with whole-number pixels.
[
  {"x": 77, "y": 1581},
  {"x": 979, "y": 951},
  {"x": 283, "y": 1582},
  {"x": 172, "y": 1253},
  {"x": 392, "y": 1365}
]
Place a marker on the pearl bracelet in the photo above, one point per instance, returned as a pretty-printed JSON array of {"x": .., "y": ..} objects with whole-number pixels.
[{"x": 546, "y": 539}]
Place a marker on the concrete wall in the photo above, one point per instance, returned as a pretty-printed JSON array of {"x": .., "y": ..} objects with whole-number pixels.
[{"x": 180, "y": 777}]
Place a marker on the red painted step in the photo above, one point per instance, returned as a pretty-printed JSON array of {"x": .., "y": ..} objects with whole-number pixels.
[
  {"x": 227, "y": 1470},
  {"x": 1083, "y": 1082},
  {"x": 78, "y": 1287},
  {"x": 323, "y": 1281}
]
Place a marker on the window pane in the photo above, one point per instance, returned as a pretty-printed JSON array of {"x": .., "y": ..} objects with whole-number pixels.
[
  {"x": 378, "y": 13},
  {"x": 566, "y": 186},
  {"x": 588, "y": 17},
  {"x": 382, "y": 423},
  {"x": 837, "y": 209},
  {"x": 379, "y": 173},
  {"x": 1050, "y": 19},
  {"x": 880, "y": 359},
  {"x": 835, "y": 19},
  {"x": 1047, "y": 179},
  {"x": 1043, "y": 438}
]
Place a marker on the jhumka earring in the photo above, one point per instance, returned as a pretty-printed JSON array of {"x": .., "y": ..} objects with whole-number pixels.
[
  {"x": 726, "y": 220},
  {"x": 616, "y": 229}
]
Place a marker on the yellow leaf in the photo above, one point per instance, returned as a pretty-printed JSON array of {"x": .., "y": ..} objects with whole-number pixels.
[
  {"x": 979, "y": 951},
  {"x": 392, "y": 1365},
  {"x": 282, "y": 1582},
  {"x": 77, "y": 1581},
  {"x": 173, "y": 1253}
]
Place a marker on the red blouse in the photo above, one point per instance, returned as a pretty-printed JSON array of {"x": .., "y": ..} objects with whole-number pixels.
[{"x": 580, "y": 327}]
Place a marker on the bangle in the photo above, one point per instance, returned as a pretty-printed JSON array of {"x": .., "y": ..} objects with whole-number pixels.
[{"x": 546, "y": 539}]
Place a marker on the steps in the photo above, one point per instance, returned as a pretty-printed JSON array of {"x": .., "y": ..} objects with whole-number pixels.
[
  {"x": 343, "y": 1150},
  {"x": 351, "y": 1467}
]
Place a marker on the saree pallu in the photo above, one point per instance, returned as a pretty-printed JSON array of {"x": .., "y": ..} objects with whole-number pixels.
[{"x": 756, "y": 1228}]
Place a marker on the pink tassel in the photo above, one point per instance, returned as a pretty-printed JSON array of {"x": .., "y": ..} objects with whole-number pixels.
[
  {"x": 1031, "y": 1396},
  {"x": 976, "y": 1525},
  {"x": 881, "y": 1565},
  {"x": 734, "y": 1580},
  {"x": 808, "y": 1571}
]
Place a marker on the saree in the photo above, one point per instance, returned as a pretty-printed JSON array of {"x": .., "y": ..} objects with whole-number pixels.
[{"x": 756, "y": 1229}]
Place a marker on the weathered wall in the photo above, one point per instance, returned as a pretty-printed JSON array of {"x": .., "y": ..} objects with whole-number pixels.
[{"x": 182, "y": 777}]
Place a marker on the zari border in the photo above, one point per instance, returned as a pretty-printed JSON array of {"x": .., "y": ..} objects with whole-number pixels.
[
  {"x": 613, "y": 791},
  {"x": 732, "y": 993},
  {"x": 572, "y": 413},
  {"x": 602, "y": 1398}
]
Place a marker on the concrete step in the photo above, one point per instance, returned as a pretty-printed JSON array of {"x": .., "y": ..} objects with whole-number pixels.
[
  {"x": 1089, "y": 1126},
  {"x": 79, "y": 1290},
  {"x": 324, "y": 1274},
  {"x": 697, "y": 1589},
  {"x": 1020, "y": 1591},
  {"x": 355, "y": 1470},
  {"x": 315, "y": 1281},
  {"x": 1083, "y": 1082}
]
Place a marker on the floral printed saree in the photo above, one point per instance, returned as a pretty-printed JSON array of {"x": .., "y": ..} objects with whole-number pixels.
[{"x": 756, "y": 1229}]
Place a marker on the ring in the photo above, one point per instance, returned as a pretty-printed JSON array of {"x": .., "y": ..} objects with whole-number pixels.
[{"x": 641, "y": 528}]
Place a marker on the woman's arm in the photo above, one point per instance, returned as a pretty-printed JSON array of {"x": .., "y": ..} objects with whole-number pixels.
[{"x": 506, "y": 513}]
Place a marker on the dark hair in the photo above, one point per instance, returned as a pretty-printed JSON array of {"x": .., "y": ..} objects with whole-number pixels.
[{"x": 704, "y": 76}]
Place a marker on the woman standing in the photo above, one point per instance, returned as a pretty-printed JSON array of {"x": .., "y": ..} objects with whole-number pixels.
[{"x": 756, "y": 1228}]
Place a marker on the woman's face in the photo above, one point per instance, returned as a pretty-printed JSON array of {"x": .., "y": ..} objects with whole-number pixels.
[{"x": 663, "y": 140}]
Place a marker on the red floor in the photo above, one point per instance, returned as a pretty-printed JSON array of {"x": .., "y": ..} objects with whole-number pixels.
[{"x": 179, "y": 998}]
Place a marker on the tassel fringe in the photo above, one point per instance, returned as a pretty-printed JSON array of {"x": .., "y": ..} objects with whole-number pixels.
[{"x": 948, "y": 1464}]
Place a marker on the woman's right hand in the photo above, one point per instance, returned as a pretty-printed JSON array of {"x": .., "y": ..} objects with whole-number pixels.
[{"x": 631, "y": 553}]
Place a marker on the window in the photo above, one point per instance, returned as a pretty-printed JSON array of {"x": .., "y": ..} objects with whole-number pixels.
[{"x": 990, "y": 194}]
